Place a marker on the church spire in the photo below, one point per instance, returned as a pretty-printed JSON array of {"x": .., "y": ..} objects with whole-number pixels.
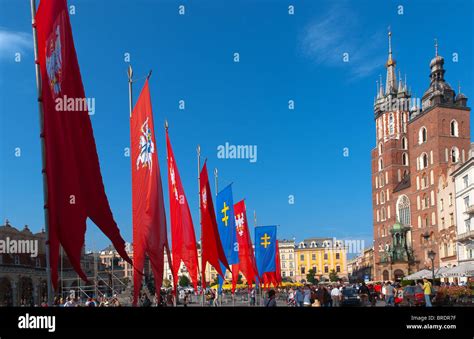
[{"x": 391, "y": 82}]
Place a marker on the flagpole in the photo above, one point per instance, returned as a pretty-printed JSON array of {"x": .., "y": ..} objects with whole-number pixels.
[
  {"x": 260, "y": 288},
  {"x": 130, "y": 81},
  {"x": 43, "y": 153},
  {"x": 198, "y": 150},
  {"x": 223, "y": 280}
]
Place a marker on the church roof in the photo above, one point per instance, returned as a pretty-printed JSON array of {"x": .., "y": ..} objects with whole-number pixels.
[{"x": 405, "y": 183}]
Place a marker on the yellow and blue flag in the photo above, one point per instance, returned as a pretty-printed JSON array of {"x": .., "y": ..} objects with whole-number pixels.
[
  {"x": 226, "y": 227},
  {"x": 265, "y": 249}
]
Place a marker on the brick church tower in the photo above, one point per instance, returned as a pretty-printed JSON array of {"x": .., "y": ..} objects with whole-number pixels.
[{"x": 414, "y": 148}]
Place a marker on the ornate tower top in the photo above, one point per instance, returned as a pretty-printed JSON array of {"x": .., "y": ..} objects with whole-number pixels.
[
  {"x": 391, "y": 81},
  {"x": 439, "y": 91}
]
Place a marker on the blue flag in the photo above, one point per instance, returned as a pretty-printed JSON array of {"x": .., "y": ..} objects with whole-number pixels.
[
  {"x": 226, "y": 227},
  {"x": 265, "y": 249}
]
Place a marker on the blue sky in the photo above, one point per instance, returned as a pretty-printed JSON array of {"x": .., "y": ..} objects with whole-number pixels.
[{"x": 282, "y": 57}]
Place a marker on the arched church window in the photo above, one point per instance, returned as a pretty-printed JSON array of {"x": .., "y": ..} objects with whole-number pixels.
[
  {"x": 391, "y": 124},
  {"x": 454, "y": 154},
  {"x": 403, "y": 210},
  {"x": 405, "y": 159},
  {"x": 422, "y": 135},
  {"x": 404, "y": 143},
  {"x": 454, "y": 128}
]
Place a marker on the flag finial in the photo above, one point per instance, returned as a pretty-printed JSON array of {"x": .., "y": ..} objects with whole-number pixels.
[{"x": 166, "y": 125}]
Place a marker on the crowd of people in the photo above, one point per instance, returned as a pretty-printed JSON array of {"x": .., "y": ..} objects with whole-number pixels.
[{"x": 336, "y": 294}]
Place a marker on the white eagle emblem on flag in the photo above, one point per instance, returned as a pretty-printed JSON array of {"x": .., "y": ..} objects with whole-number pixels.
[
  {"x": 239, "y": 223},
  {"x": 146, "y": 146},
  {"x": 54, "y": 61}
]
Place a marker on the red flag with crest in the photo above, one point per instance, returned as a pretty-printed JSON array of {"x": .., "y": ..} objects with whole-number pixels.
[
  {"x": 246, "y": 257},
  {"x": 74, "y": 182},
  {"x": 183, "y": 237},
  {"x": 149, "y": 218},
  {"x": 211, "y": 246}
]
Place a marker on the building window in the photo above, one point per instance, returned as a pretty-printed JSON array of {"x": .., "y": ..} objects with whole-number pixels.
[
  {"x": 380, "y": 148},
  {"x": 391, "y": 124},
  {"x": 338, "y": 256},
  {"x": 403, "y": 209},
  {"x": 454, "y": 128},
  {"x": 466, "y": 202},
  {"x": 465, "y": 180},
  {"x": 405, "y": 159},
  {"x": 303, "y": 271},
  {"x": 454, "y": 155},
  {"x": 404, "y": 143},
  {"x": 325, "y": 256},
  {"x": 467, "y": 223},
  {"x": 424, "y": 161},
  {"x": 422, "y": 135},
  {"x": 313, "y": 256},
  {"x": 326, "y": 269},
  {"x": 302, "y": 257},
  {"x": 338, "y": 269},
  {"x": 380, "y": 164}
]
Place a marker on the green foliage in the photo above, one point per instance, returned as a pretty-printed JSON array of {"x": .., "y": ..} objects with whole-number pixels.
[
  {"x": 184, "y": 281},
  {"x": 333, "y": 276},
  {"x": 311, "y": 277}
]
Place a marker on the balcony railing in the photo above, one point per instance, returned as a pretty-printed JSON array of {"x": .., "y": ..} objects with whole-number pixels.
[
  {"x": 469, "y": 209},
  {"x": 466, "y": 236}
]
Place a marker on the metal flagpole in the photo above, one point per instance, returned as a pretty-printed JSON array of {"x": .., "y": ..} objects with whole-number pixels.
[
  {"x": 198, "y": 150},
  {"x": 130, "y": 81},
  {"x": 219, "y": 297},
  {"x": 43, "y": 152}
]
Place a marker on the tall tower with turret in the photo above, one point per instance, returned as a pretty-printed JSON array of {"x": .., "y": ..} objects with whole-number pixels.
[
  {"x": 415, "y": 148},
  {"x": 390, "y": 158}
]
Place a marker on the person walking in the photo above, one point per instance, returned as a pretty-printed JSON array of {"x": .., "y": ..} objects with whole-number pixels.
[
  {"x": 364, "y": 294},
  {"x": 299, "y": 297},
  {"x": 389, "y": 290},
  {"x": 271, "y": 299},
  {"x": 336, "y": 296},
  {"x": 427, "y": 292},
  {"x": 307, "y": 297}
]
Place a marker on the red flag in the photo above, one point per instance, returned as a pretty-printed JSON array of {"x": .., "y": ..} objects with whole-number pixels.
[
  {"x": 211, "y": 246},
  {"x": 182, "y": 230},
  {"x": 75, "y": 188},
  {"x": 246, "y": 257},
  {"x": 149, "y": 218},
  {"x": 278, "y": 266},
  {"x": 275, "y": 276}
]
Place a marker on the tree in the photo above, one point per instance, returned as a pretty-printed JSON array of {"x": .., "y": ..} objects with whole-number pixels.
[
  {"x": 333, "y": 276},
  {"x": 239, "y": 279},
  {"x": 184, "y": 281},
  {"x": 287, "y": 279},
  {"x": 311, "y": 277},
  {"x": 166, "y": 283}
]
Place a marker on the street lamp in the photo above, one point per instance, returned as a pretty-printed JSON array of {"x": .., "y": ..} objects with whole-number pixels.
[{"x": 432, "y": 255}]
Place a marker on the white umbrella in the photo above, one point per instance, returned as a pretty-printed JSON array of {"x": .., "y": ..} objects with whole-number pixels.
[
  {"x": 419, "y": 275},
  {"x": 440, "y": 271},
  {"x": 463, "y": 270}
]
